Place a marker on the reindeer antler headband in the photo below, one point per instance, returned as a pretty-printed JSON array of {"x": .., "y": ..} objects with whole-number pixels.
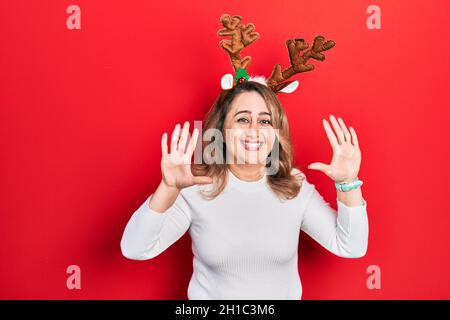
[{"x": 244, "y": 35}]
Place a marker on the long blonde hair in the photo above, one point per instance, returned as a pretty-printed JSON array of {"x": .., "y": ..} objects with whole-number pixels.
[{"x": 283, "y": 183}]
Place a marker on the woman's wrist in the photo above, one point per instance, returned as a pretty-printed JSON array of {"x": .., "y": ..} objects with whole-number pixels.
[
  {"x": 346, "y": 180},
  {"x": 348, "y": 184},
  {"x": 168, "y": 188},
  {"x": 163, "y": 198}
]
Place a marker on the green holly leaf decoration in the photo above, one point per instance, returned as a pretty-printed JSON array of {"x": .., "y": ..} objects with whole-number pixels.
[{"x": 241, "y": 73}]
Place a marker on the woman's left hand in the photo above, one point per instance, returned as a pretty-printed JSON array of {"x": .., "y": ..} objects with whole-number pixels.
[{"x": 346, "y": 161}]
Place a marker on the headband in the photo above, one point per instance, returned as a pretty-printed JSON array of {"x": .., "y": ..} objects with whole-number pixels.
[{"x": 244, "y": 35}]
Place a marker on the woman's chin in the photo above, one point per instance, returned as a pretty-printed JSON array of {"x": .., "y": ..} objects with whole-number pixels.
[{"x": 253, "y": 157}]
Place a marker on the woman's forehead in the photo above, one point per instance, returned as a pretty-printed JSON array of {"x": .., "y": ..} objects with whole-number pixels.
[{"x": 251, "y": 101}]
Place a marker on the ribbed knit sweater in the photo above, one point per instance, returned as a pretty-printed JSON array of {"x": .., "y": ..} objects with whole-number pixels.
[{"x": 245, "y": 241}]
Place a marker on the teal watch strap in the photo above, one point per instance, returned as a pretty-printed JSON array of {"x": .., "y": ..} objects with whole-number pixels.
[{"x": 348, "y": 186}]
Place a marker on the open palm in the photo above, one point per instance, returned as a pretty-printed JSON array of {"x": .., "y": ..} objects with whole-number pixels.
[
  {"x": 346, "y": 160},
  {"x": 176, "y": 164}
]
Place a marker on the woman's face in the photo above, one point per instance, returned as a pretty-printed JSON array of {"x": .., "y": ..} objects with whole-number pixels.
[{"x": 249, "y": 133}]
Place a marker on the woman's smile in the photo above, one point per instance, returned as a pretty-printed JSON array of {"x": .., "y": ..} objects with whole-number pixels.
[{"x": 252, "y": 145}]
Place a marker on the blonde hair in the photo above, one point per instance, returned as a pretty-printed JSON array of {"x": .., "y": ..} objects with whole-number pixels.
[{"x": 283, "y": 183}]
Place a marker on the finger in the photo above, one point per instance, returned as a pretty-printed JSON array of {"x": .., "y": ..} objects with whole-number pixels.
[
  {"x": 164, "y": 144},
  {"x": 337, "y": 129},
  {"x": 184, "y": 135},
  {"x": 346, "y": 132},
  {"x": 354, "y": 137},
  {"x": 202, "y": 180},
  {"x": 319, "y": 166},
  {"x": 330, "y": 134},
  {"x": 192, "y": 143},
  {"x": 174, "y": 139}
]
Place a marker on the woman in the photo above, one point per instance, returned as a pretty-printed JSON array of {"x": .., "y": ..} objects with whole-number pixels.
[{"x": 245, "y": 223}]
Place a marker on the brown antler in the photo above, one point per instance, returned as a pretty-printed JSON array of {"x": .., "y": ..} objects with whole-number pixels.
[
  {"x": 241, "y": 36},
  {"x": 277, "y": 80}
]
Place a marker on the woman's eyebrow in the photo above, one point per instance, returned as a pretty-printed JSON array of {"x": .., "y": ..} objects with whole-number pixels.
[
  {"x": 248, "y": 111},
  {"x": 242, "y": 111}
]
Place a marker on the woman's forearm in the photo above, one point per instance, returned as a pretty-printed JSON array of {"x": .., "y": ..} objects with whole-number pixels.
[
  {"x": 163, "y": 198},
  {"x": 352, "y": 198}
]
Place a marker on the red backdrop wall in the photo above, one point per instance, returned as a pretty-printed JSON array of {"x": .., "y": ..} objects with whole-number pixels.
[{"x": 83, "y": 112}]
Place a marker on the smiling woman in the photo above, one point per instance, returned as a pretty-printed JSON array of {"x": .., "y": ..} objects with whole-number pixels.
[
  {"x": 245, "y": 214},
  {"x": 244, "y": 222},
  {"x": 251, "y": 115}
]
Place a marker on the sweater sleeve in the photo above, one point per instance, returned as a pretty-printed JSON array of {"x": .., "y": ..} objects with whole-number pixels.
[
  {"x": 148, "y": 233},
  {"x": 345, "y": 234}
]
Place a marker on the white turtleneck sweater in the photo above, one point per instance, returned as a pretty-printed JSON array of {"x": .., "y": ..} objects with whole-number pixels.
[{"x": 245, "y": 241}]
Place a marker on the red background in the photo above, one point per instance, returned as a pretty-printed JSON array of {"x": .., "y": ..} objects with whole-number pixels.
[{"x": 83, "y": 112}]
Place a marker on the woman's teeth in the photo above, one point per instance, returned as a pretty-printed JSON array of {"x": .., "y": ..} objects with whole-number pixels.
[{"x": 252, "y": 145}]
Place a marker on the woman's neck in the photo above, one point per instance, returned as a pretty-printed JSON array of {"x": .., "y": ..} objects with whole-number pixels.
[{"x": 247, "y": 172}]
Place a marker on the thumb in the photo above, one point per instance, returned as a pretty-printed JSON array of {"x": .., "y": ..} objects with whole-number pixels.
[
  {"x": 202, "y": 180},
  {"x": 318, "y": 166}
]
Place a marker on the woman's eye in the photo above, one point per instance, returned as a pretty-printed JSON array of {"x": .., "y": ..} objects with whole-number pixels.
[
  {"x": 266, "y": 122},
  {"x": 243, "y": 120}
]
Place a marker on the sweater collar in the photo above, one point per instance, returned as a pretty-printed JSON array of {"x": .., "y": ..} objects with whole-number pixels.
[{"x": 246, "y": 186}]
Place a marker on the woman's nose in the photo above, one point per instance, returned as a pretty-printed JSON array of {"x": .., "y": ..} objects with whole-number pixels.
[
  {"x": 252, "y": 131},
  {"x": 254, "y": 125}
]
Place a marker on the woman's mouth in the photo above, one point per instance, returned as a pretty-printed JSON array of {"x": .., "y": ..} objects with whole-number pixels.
[{"x": 252, "y": 145}]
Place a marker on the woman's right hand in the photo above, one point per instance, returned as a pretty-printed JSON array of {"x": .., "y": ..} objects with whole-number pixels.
[{"x": 176, "y": 164}]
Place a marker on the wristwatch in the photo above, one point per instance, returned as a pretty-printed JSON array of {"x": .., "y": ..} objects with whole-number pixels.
[{"x": 348, "y": 186}]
